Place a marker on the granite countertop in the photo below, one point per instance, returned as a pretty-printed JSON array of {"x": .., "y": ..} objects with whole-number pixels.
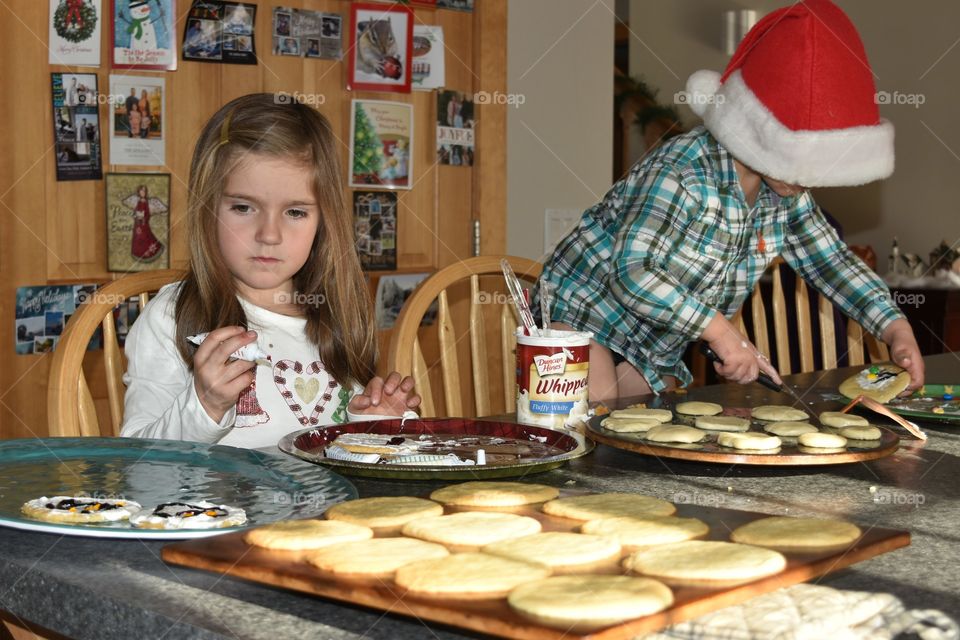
[{"x": 101, "y": 588}]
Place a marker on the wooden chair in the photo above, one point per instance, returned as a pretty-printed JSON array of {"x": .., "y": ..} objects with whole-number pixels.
[
  {"x": 70, "y": 407},
  {"x": 462, "y": 312},
  {"x": 861, "y": 347}
]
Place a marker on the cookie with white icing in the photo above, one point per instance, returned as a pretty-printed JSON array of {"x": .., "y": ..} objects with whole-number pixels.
[
  {"x": 882, "y": 383},
  {"x": 79, "y": 509},
  {"x": 190, "y": 515}
]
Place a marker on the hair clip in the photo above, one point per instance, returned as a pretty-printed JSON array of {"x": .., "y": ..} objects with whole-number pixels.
[{"x": 225, "y": 129}]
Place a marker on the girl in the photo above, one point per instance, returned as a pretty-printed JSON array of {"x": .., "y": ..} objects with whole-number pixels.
[{"x": 272, "y": 262}]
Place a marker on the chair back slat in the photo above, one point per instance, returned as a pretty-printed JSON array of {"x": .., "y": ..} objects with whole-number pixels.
[
  {"x": 855, "y": 343},
  {"x": 780, "y": 331},
  {"x": 89, "y": 426},
  {"x": 508, "y": 356},
  {"x": 804, "y": 326},
  {"x": 449, "y": 363},
  {"x": 828, "y": 334},
  {"x": 478, "y": 350},
  {"x": 758, "y": 311},
  {"x": 421, "y": 378},
  {"x": 113, "y": 366}
]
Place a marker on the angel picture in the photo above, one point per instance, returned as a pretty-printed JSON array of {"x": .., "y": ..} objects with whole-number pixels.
[{"x": 136, "y": 242}]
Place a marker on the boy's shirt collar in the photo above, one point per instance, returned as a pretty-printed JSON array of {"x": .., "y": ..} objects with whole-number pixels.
[{"x": 729, "y": 179}]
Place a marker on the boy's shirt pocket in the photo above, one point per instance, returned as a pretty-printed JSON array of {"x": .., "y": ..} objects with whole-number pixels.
[{"x": 700, "y": 256}]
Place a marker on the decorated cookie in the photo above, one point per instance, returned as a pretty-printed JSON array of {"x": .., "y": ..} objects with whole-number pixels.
[
  {"x": 195, "y": 515},
  {"x": 882, "y": 383},
  {"x": 79, "y": 509}
]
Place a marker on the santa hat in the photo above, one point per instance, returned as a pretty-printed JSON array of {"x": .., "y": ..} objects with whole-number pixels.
[{"x": 797, "y": 101}]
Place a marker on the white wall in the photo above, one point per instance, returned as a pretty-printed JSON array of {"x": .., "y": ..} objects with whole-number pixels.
[
  {"x": 913, "y": 48},
  {"x": 560, "y": 140}
]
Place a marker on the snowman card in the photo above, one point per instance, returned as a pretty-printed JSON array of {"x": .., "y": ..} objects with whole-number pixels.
[{"x": 143, "y": 34}]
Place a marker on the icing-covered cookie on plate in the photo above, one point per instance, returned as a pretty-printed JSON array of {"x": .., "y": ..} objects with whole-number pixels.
[
  {"x": 79, "y": 509},
  {"x": 194, "y": 515}
]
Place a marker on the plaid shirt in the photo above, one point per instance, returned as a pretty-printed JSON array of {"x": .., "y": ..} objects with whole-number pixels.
[{"x": 675, "y": 241}]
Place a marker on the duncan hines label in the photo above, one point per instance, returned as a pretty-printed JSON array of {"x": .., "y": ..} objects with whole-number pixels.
[{"x": 552, "y": 377}]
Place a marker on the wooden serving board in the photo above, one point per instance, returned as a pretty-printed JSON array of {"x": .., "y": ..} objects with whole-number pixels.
[
  {"x": 790, "y": 453},
  {"x": 229, "y": 554}
]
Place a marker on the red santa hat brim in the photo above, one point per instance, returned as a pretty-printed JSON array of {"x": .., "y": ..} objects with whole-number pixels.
[{"x": 810, "y": 158}]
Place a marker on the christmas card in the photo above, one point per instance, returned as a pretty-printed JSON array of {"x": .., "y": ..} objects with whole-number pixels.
[
  {"x": 143, "y": 34},
  {"x": 454, "y": 129},
  {"x": 75, "y": 32},
  {"x": 76, "y": 126},
  {"x": 427, "y": 64},
  {"x": 311, "y": 34},
  {"x": 375, "y": 223},
  {"x": 137, "y": 122},
  {"x": 381, "y": 144},
  {"x": 138, "y": 221},
  {"x": 381, "y": 46},
  {"x": 220, "y": 32}
]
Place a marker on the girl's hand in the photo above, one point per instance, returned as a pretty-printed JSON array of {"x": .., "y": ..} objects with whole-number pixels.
[
  {"x": 741, "y": 361},
  {"x": 390, "y": 397},
  {"x": 905, "y": 352},
  {"x": 218, "y": 379}
]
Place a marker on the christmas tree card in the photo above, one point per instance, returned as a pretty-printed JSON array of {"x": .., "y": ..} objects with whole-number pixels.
[{"x": 381, "y": 144}]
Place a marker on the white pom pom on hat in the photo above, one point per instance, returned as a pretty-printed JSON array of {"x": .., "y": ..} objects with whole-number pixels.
[{"x": 797, "y": 102}]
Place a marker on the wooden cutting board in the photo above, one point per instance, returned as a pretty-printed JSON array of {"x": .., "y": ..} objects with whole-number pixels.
[{"x": 229, "y": 554}]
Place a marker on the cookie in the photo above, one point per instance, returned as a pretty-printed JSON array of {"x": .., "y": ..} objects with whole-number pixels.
[
  {"x": 494, "y": 494},
  {"x": 386, "y": 514},
  {"x": 79, "y": 509},
  {"x": 561, "y": 551},
  {"x": 660, "y": 415},
  {"x": 779, "y": 413},
  {"x": 861, "y": 433},
  {"x": 377, "y": 557},
  {"x": 608, "y": 505},
  {"x": 189, "y": 515},
  {"x": 694, "y": 408},
  {"x": 701, "y": 561},
  {"x": 750, "y": 441},
  {"x": 722, "y": 423},
  {"x": 471, "y": 528},
  {"x": 838, "y": 420},
  {"x": 789, "y": 429},
  {"x": 675, "y": 433},
  {"x": 822, "y": 440},
  {"x": 299, "y": 535},
  {"x": 796, "y": 533},
  {"x": 467, "y": 575},
  {"x": 629, "y": 425},
  {"x": 581, "y": 604},
  {"x": 882, "y": 383},
  {"x": 634, "y": 533}
]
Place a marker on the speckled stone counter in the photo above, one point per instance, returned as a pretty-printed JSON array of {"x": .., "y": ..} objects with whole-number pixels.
[{"x": 96, "y": 588}]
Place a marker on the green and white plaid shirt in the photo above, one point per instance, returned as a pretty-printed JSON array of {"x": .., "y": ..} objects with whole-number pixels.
[{"x": 675, "y": 241}]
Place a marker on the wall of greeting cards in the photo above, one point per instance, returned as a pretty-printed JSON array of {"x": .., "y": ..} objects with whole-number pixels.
[{"x": 103, "y": 100}]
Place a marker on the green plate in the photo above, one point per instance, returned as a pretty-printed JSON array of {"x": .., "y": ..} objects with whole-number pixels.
[
  {"x": 927, "y": 400},
  {"x": 268, "y": 486}
]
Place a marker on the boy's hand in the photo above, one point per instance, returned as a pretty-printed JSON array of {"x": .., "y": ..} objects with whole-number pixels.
[
  {"x": 741, "y": 361},
  {"x": 390, "y": 397},
  {"x": 218, "y": 379},
  {"x": 904, "y": 352}
]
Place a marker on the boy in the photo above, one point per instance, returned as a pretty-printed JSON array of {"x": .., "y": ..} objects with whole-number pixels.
[{"x": 678, "y": 244}]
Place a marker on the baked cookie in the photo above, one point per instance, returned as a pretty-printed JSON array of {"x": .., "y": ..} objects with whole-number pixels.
[
  {"x": 694, "y": 408},
  {"x": 822, "y": 440},
  {"x": 882, "y": 383},
  {"x": 779, "y": 413},
  {"x": 494, "y": 494},
  {"x": 789, "y": 429},
  {"x": 386, "y": 514},
  {"x": 79, "y": 509},
  {"x": 582, "y": 604},
  {"x": 183, "y": 515},
  {"x": 861, "y": 433},
  {"x": 706, "y": 561},
  {"x": 608, "y": 505},
  {"x": 376, "y": 557},
  {"x": 838, "y": 420},
  {"x": 751, "y": 441},
  {"x": 629, "y": 425},
  {"x": 299, "y": 535},
  {"x": 796, "y": 533},
  {"x": 561, "y": 551},
  {"x": 660, "y": 415},
  {"x": 383, "y": 444},
  {"x": 722, "y": 423},
  {"x": 636, "y": 533},
  {"x": 675, "y": 433},
  {"x": 467, "y": 575},
  {"x": 471, "y": 528}
]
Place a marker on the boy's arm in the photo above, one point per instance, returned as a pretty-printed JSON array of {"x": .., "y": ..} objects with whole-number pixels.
[{"x": 640, "y": 280}]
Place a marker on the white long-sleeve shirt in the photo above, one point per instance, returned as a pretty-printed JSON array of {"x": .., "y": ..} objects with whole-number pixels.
[{"x": 294, "y": 393}]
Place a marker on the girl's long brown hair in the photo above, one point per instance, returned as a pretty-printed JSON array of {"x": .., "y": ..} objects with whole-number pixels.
[{"x": 336, "y": 303}]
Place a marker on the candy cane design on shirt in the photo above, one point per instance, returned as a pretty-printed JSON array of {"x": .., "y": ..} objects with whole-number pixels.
[{"x": 280, "y": 370}]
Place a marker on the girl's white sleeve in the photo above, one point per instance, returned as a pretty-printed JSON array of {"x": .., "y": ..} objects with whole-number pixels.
[{"x": 161, "y": 400}]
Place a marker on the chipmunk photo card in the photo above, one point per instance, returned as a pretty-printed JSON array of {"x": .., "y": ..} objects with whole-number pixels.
[{"x": 381, "y": 47}]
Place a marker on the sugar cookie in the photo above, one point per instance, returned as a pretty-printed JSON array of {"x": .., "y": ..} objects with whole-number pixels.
[
  {"x": 79, "y": 509},
  {"x": 796, "y": 533},
  {"x": 660, "y": 415},
  {"x": 722, "y": 423},
  {"x": 193, "y": 515},
  {"x": 494, "y": 494},
  {"x": 861, "y": 433},
  {"x": 467, "y": 575},
  {"x": 582, "y": 604},
  {"x": 675, "y": 433},
  {"x": 789, "y": 429},
  {"x": 838, "y": 420},
  {"x": 298, "y": 535},
  {"x": 754, "y": 441},
  {"x": 822, "y": 440},
  {"x": 471, "y": 528},
  {"x": 608, "y": 505},
  {"x": 385, "y": 513},
  {"x": 695, "y": 408},
  {"x": 376, "y": 557},
  {"x": 882, "y": 383},
  {"x": 629, "y": 425},
  {"x": 700, "y": 560},
  {"x": 634, "y": 533},
  {"x": 778, "y": 413},
  {"x": 561, "y": 551}
]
